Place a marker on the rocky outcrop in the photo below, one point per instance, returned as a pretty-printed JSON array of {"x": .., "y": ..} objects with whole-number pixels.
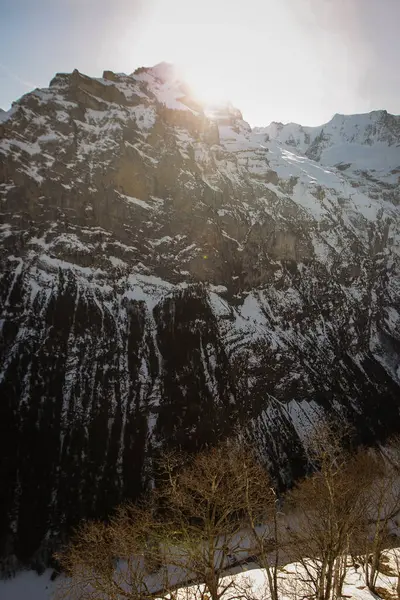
[{"x": 168, "y": 274}]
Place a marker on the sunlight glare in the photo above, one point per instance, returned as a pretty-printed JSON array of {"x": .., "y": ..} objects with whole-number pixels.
[
  {"x": 259, "y": 57},
  {"x": 209, "y": 64}
]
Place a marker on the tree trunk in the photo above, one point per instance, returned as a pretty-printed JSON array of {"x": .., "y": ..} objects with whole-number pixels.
[
  {"x": 329, "y": 580},
  {"x": 340, "y": 574},
  {"x": 212, "y": 585},
  {"x": 322, "y": 581}
]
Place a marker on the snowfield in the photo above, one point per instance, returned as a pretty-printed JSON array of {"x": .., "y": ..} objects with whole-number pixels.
[{"x": 252, "y": 581}]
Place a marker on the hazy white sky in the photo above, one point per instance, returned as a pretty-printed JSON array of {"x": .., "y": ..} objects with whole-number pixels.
[{"x": 283, "y": 60}]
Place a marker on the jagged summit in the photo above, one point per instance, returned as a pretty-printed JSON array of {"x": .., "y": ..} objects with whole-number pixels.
[
  {"x": 164, "y": 71},
  {"x": 168, "y": 273}
]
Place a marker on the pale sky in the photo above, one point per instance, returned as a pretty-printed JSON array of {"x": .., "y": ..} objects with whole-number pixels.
[{"x": 282, "y": 60}]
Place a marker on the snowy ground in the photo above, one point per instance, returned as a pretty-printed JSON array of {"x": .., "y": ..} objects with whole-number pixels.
[{"x": 29, "y": 586}]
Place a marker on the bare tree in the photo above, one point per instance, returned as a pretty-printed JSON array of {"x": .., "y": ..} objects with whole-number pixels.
[
  {"x": 325, "y": 512},
  {"x": 382, "y": 505},
  {"x": 207, "y": 514},
  {"x": 211, "y": 502},
  {"x": 262, "y": 516},
  {"x": 115, "y": 560}
]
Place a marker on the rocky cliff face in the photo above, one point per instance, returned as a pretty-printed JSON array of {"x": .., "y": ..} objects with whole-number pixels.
[{"x": 167, "y": 273}]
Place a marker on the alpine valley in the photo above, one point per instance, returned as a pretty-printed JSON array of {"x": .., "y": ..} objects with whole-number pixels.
[{"x": 168, "y": 275}]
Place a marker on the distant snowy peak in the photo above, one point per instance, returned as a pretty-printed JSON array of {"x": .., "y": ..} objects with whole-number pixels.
[
  {"x": 368, "y": 128},
  {"x": 376, "y": 126},
  {"x": 290, "y": 134},
  {"x": 361, "y": 142}
]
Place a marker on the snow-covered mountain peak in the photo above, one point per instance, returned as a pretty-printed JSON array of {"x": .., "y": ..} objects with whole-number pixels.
[
  {"x": 377, "y": 126},
  {"x": 362, "y": 145},
  {"x": 164, "y": 71}
]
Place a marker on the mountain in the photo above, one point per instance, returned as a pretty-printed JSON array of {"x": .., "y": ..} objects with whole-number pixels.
[
  {"x": 169, "y": 273},
  {"x": 356, "y": 144}
]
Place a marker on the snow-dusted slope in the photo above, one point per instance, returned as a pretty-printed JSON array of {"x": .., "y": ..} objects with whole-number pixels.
[
  {"x": 366, "y": 146},
  {"x": 167, "y": 273}
]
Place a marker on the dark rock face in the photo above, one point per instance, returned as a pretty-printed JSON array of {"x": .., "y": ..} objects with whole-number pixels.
[{"x": 168, "y": 274}]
